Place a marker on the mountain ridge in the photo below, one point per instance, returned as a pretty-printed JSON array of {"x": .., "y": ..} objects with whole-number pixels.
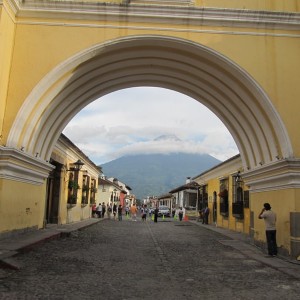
[{"x": 157, "y": 174}]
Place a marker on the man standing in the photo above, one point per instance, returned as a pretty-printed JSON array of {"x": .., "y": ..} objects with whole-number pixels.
[
  {"x": 155, "y": 214},
  {"x": 180, "y": 214},
  {"x": 114, "y": 210},
  {"x": 205, "y": 215},
  {"x": 99, "y": 210},
  {"x": 270, "y": 223},
  {"x": 120, "y": 208},
  {"x": 103, "y": 209},
  {"x": 133, "y": 211}
]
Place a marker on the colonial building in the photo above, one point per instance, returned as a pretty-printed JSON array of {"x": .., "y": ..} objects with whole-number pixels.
[
  {"x": 71, "y": 186},
  {"x": 166, "y": 200},
  {"x": 222, "y": 189},
  {"x": 112, "y": 191},
  {"x": 187, "y": 197}
]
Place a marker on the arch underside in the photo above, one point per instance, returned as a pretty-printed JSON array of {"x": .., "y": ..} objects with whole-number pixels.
[{"x": 156, "y": 61}]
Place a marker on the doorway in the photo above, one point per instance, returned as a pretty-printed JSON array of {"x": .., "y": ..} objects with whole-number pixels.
[{"x": 53, "y": 194}]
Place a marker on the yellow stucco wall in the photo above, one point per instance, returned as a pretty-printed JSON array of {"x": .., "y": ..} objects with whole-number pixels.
[
  {"x": 265, "y": 57},
  {"x": 7, "y": 28},
  {"x": 282, "y": 202},
  {"x": 23, "y": 207},
  {"x": 66, "y": 155},
  {"x": 276, "y": 5},
  {"x": 229, "y": 222}
]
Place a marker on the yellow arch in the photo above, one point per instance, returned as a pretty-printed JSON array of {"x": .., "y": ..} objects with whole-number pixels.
[{"x": 160, "y": 61}]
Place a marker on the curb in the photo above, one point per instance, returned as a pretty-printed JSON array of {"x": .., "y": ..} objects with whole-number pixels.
[
  {"x": 26, "y": 242},
  {"x": 242, "y": 244}
]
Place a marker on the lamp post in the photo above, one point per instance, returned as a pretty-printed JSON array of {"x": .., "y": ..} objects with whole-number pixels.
[
  {"x": 77, "y": 166},
  {"x": 238, "y": 185},
  {"x": 238, "y": 201}
]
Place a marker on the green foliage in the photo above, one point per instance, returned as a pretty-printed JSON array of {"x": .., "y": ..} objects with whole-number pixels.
[
  {"x": 94, "y": 190},
  {"x": 85, "y": 187},
  {"x": 73, "y": 185},
  {"x": 72, "y": 199}
]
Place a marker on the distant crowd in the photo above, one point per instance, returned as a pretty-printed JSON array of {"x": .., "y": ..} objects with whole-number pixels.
[{"x": 117, "y": 212}]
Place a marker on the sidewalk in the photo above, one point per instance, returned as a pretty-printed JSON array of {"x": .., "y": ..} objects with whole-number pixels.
[
  {"x": 241, "y": 242},
  {"x": 10, "y": 247}
]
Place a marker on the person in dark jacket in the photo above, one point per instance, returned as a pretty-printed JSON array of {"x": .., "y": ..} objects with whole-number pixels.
[
  {"x": 120, "y": 208},
  {"x": 114, "y": 210},
  {"x": 205, "y": 215},
  {"x": 180, "y": 213},
  {"x": 155, "y": 214},
  {"x": 103, "y": 209}
]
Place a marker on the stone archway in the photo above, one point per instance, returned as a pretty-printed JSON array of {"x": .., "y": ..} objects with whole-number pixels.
[{"x": 172, "y": 63}]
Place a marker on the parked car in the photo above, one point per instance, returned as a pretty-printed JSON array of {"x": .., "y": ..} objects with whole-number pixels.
[{"x": 164, "y": 211}]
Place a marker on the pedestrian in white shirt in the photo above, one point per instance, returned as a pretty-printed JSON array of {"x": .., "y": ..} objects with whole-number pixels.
[{"x": 270, "y": 223}]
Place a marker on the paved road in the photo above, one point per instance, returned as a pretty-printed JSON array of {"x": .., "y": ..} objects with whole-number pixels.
[{"x": 143, "y": 260}]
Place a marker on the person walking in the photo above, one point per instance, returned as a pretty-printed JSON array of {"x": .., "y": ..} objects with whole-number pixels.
[
  {"x": 205, "y": 215},
  {"x": 103, "y": 209},
  {"x": 99, "y": 210},
  {"x": 270, "y": 222},
  {"x": 133, "y": 211},
  {"x": 114, "y": 210},
  {"x": 120, "y": 208},
  {"x": 94, "y": 209},
  {"x": 127, "y": 212},
  {"x": 155, "y": 214},
  {"x": 144, "y": 213},
  {"x": 109, "y": 210},
  {"x": 180, "y": 213}
]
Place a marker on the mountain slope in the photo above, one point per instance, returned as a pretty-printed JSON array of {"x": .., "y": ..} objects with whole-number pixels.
[{"x": 157, "y": 174}]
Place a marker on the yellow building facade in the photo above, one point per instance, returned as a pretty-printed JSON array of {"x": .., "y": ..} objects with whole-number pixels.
[
  {"x": 72, "y": 186},
  {"x": 238, "y": 58},
  {"x": 223, "y": 190}
]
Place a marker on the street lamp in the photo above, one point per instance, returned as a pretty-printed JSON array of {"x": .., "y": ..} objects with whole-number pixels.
[
  {"x": 73, "y": 184},
  {"x": 238, "y": 179},
  {"x": 77, "y": 166}
]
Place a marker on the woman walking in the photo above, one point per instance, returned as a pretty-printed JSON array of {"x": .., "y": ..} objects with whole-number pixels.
[{"x": 120, "y": 212}]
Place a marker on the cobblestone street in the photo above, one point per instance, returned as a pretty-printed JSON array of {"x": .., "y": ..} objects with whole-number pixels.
[{"x": 143, "y": 260}]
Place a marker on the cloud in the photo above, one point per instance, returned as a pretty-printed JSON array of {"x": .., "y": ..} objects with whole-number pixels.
[{"x": 128, "y": 121}]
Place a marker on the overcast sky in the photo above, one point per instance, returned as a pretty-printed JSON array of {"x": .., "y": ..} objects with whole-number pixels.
[{"x": 129, "y": 122}]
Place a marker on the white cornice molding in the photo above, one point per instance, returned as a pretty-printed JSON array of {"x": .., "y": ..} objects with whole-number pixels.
[
  {"x": 113, "y": 12},
  {"x": 14, "y": 4},
  {"x": 11, "y": 7},
  {"x": 70, "y": 153},
  {"x": 284, "y": 174},
  {"x": 19, "y": 166},
  {"x": 224, "y": 169}
]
